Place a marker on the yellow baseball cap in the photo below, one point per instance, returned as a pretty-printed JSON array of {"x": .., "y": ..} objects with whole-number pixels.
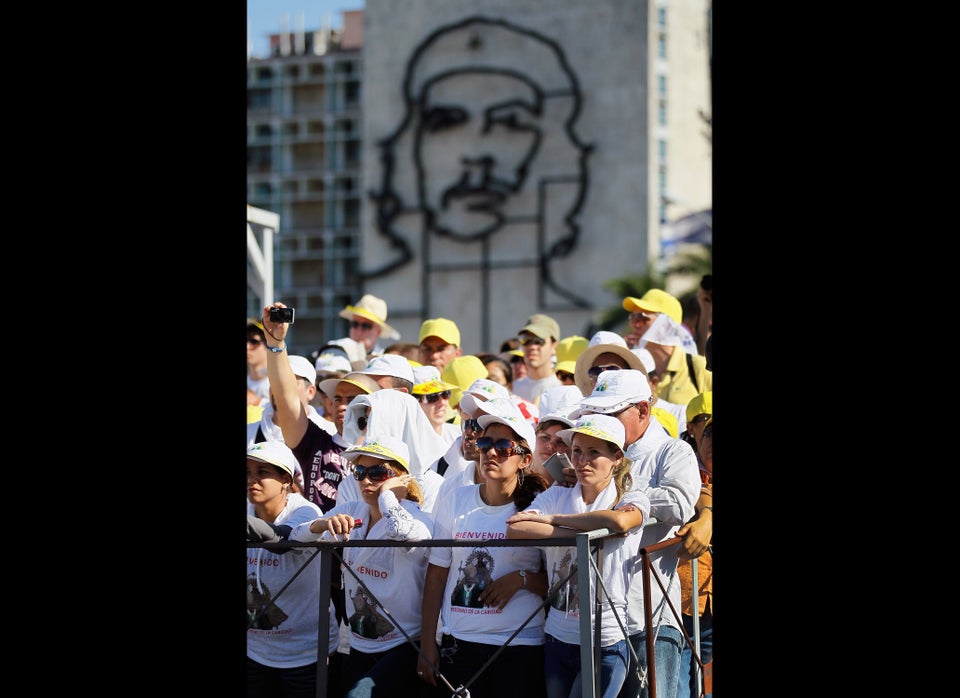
[
  {"x": 655, "y": 301},
  {"x": 568, "y": 349},
  {"x": 446, "y": 330},
  {"x": 700, "y": 404}
]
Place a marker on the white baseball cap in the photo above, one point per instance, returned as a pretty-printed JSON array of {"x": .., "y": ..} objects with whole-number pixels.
[
  {"x": 600, "y": 426},
  {"x": 616, "y": 390},
  {"x": 482, "y": 390},
  {"x": 303, "y": 368},
  {"x": 275, "y": 453},
  {"x": 503, "y": 411}
]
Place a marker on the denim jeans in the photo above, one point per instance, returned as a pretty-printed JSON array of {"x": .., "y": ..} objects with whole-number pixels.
[
  {"x": 688, "y": 687},
  {"x": 269, "y": 682},
  {"x": 389, "y": 673},
  {"x": 517, "y": 671},
  {"x": 562, "y": 667},
  {"x": 666, "y": 654}
]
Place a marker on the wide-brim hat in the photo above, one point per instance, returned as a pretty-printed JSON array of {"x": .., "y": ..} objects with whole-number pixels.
[
  {"x": 603, "y": 342},
  {"x": 373, "y": 309}
]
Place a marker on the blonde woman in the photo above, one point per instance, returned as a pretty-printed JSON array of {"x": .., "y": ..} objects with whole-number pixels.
[{"x": 602, "y": 498}]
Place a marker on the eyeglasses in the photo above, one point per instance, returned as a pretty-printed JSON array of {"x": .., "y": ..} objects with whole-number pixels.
[
  {"x": 642, "y": 317},
  {"x": 597, "y": 370},
  {"x": 354, "y": 324},
  {"x": 471, "y": 425},
  {"x": 535, "y": 341},
  {"x": 433, "y": 397},
  {"x": 255, "y": 342},
  {"x": 376, "y": 473},
  {"x": 503, "y": 447},
  {"x": 700, "y": 418}
]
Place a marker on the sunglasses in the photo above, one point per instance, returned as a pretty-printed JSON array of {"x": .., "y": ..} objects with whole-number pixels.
[
  {"x": 354, "y": 324},
  {"x": 254, "y": 342},
  {"x": 503, "y": 447},
  {"x": 471, "y": 425},
  {"x": 597, "y": 370},
  {"x": 433, "y": 397},
  {"x": 535, "y": 341},
  {"x": 376, "y": 473}
]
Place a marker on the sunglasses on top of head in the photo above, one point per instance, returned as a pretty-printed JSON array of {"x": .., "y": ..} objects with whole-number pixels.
[
  {"x": 433, "y": 397},
  {"x": 597, "y": 370},
  {"x": 376, "y": 473},
  {"x": 503, "y": 447}
]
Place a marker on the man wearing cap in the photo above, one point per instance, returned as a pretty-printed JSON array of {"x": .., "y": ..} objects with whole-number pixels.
[
  {"x": 644, "y": 310},
  {"x": 329, "y": 365},
  {"x": 665, "y": 469},
  {"x": 538, "y": 340},
  {"x": 368, "y": 323},
  {"x": 434, "y": 396},
  {"x": 439, "y": 342}
]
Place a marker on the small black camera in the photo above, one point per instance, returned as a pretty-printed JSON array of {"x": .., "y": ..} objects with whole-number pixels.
[{"x": 281, "y": 315}]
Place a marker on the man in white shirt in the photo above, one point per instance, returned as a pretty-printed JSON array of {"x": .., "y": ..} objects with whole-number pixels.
[{"x": 538, "y": 340}]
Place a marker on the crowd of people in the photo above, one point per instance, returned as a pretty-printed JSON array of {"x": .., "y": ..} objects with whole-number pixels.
[{"x": 550, "y": 436}]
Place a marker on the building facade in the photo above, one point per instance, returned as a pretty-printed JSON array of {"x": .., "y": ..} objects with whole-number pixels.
[{"x": 481, "y": 161}]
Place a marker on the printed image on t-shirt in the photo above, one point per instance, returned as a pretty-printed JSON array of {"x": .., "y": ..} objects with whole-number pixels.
[
  {"x": 476, "y": 572},
  {"x": 366, "y": 620},
  {"x": 563, "y": 591},
  {"x": 262, "y": 613}
]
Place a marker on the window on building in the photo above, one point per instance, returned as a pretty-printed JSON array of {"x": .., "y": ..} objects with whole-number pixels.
[
  {"x": 662, "y": 113},
  {"x": 662, "y": 85},
  {"x": 662, "y": 17},
  {"x": 662, "y": 45},
  {"x": 662, "y": 150}
]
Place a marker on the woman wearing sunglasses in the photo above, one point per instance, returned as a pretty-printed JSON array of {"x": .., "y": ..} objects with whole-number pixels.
[
  {"x": 483, "y": 594},
  {"x": 388, "y": 599},
  {"x": 602, "y": 498}
]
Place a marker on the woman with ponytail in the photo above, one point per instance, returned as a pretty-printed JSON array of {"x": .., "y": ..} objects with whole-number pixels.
[
  {"x": 482, "y": 594},
  {"x": 602, "y": 498}
]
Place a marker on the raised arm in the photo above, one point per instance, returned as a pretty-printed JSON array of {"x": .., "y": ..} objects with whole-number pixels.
[{"x": 291, "y": 414}]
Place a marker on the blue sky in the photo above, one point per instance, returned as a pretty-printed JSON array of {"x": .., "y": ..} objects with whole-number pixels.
[{"x": 264, "y": 17}]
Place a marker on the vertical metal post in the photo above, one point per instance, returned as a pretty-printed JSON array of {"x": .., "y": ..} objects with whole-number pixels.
[
  {"x": 648, "y": 615},
  {"x": 323, "y": 627},
  {"x": 696, "y": 623},
  {"x": 588, "y": 674}
]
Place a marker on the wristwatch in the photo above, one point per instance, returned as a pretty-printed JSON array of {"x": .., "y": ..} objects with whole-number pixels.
[{"x": 523, "y": 576}]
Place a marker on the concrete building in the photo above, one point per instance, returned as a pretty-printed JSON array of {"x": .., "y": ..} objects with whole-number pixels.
[{"x": 607, "y": 133}]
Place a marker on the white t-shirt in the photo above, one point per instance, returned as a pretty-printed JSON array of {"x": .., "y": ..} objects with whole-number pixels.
[
  {"x": 462, "y": 515},
  {"x": 563, "y": 620},
  {"x": 530, "y": 388},
  {"x": 285, "y": 636},
  {"x": 394, "y": 576},
  {"x": 666, "y": 470}
]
